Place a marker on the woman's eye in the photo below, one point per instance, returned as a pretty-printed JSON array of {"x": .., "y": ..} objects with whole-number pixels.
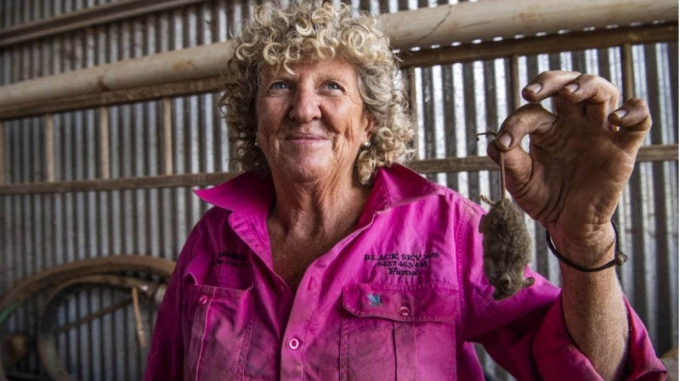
[
  {"x": 334, "y": 86},
  {"x": 279, "y": 86}
]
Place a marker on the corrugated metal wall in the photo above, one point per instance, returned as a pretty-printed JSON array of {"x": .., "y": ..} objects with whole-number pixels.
[
  {"x": 18, "y": 12},
  {"x": 454, "y": 103}
]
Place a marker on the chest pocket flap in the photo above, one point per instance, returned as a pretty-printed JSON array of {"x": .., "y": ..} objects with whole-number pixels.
[{"x": 432, "y": 302}]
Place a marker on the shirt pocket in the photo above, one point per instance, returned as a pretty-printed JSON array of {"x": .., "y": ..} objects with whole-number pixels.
[
  {"x": 217, "y": 333},
  {"x": 393, "y": 332}
]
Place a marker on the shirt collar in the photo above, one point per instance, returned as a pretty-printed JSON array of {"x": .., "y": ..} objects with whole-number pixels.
[{"x": 252, "y": 193}]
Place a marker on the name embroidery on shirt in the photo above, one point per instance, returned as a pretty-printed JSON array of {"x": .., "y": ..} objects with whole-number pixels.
[
  {"x": 402, "y": 264},
  {"x": 230, "y": 259}
]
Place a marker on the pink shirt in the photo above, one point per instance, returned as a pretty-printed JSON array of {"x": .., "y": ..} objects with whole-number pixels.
[{"x": 401, "y": 298}]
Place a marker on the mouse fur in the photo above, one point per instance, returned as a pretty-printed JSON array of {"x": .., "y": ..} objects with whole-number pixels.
[{"x": 507, "y": 248}]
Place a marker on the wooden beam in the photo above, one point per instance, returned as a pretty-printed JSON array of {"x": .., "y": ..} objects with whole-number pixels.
[
  {"x": 86, "y": 18},
  {"x": 443, "y": 25},
  {"x": 528, "y": 46},
  {"x": 461, "y": 164},
  {"x": 485, "y": 20},
  {"x": 139, "y": 74},
  {"x": 657, "y": 152},
  {"x": 462, "y": 53},
  {"x": 164, "y": 181},
  {"x": 49, "y": 147},
  {"x": 110, "y": 98}
]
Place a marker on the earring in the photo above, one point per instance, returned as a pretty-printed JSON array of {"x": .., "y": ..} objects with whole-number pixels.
[
  {"x": 366, "y": 144},
  {"x": 257, "y": 144}
]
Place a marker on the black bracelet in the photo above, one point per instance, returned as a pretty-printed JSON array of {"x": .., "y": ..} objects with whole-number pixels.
[{"x": 619, "y": 256}]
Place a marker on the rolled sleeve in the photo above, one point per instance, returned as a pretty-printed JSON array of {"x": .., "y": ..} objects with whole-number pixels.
[
  {"x": 556, "y": 354},
  {"x": 527, "y": 334}
]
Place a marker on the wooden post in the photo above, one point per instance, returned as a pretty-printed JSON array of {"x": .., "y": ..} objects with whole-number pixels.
[
  {"x": 49, "y": 147},
  {"x": 627, "y": 71},
  {"x": 104, "y": 155},
  {"x": 2, "y": 153},
  {"x": 413, "y": 104},
  {"x": 516, "y": 96},
  {"x": 167, "y": 137}
]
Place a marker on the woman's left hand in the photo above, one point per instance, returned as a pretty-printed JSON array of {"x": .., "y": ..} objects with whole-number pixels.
[{"x": 578, "y": 162}]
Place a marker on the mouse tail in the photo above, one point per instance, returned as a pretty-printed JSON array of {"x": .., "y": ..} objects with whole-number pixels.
[{"x": 486, "y": 200}]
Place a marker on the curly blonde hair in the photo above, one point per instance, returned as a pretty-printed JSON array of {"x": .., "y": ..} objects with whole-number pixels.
[{"x": 306, "y": 31}]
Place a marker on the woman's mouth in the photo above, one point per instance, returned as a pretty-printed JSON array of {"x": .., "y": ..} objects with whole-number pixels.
[{"x": 306, "y": 138}]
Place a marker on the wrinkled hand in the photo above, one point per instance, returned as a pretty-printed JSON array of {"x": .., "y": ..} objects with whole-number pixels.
[{"x": 578, "y": 162}]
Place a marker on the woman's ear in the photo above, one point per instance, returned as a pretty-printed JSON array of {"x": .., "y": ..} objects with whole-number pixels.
[{"x": 369, "y": 121}]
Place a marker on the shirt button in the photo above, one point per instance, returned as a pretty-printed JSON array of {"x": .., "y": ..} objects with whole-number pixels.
[
  {"x": 404, "y": 311},
  {"x": 203, "y": 300},
  {"x": 294, "y": 344}
]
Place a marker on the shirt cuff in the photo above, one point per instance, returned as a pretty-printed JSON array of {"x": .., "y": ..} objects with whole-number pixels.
[{"x": 558, "y": 358}]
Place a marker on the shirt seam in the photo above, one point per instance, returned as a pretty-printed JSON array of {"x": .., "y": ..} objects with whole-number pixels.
[
  {"x": 461, "y": 230},
  {"x": 205, "y": 331},
  {"x": 245, "y": 351},
  {"x": 387, "y": 196}
]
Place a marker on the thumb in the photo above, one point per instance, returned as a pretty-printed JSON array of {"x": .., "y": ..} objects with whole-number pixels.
[
  {"x": 530, "y": 119},
  {"x": 516, "y": 163}
]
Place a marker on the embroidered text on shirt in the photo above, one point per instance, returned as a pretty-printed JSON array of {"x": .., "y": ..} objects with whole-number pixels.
[
  {"x": 230, "y": 259},
  {"x": 402, "y": 264}
]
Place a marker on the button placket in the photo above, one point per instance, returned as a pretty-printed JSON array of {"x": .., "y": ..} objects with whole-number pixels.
[{"x": 300, "y": 317}]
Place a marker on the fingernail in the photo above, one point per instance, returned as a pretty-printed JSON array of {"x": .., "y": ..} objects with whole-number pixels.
[
  {"x": 505, "y": 140},
  {"x": 571, "y": 88},
  {"x": 620, "y": 113},
  {"x": 534, "y": 88}
]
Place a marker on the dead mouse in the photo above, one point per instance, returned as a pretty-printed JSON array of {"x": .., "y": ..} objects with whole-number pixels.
[
  {"x": 507, "y": 248},
  {"x": 507, "y": 244}
]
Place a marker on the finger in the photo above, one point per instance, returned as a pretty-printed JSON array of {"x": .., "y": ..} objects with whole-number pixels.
[
  {"x": 634, "y": 119},
  {"x": 547, "y": 84},
  {"x": 600, "y": 96},
  {"x": 531, "y": 118},
  {"x": 564, "y": 107}
]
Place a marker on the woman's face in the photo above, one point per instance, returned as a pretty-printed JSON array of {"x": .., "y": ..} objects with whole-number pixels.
[{"x": 311, "y": 124}]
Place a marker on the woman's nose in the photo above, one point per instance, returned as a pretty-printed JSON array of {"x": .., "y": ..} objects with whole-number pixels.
[{"x": 305, "y": 106}]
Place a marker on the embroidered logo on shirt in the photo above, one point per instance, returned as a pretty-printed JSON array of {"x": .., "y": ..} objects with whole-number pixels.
[
  {"x": 231, "y": 259},
  {"x": 402, "y": 264},
  {"x": 375, "y": 299}
]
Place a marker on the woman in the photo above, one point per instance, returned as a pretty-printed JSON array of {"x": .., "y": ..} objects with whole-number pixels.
[{"x": 328, "y": 260}]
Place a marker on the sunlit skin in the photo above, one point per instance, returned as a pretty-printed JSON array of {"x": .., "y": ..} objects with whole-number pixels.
[
  {"x": 571, "y": 179},
  {"x": 310, "y": 127},
  {"x": 311, "y": 123}
]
